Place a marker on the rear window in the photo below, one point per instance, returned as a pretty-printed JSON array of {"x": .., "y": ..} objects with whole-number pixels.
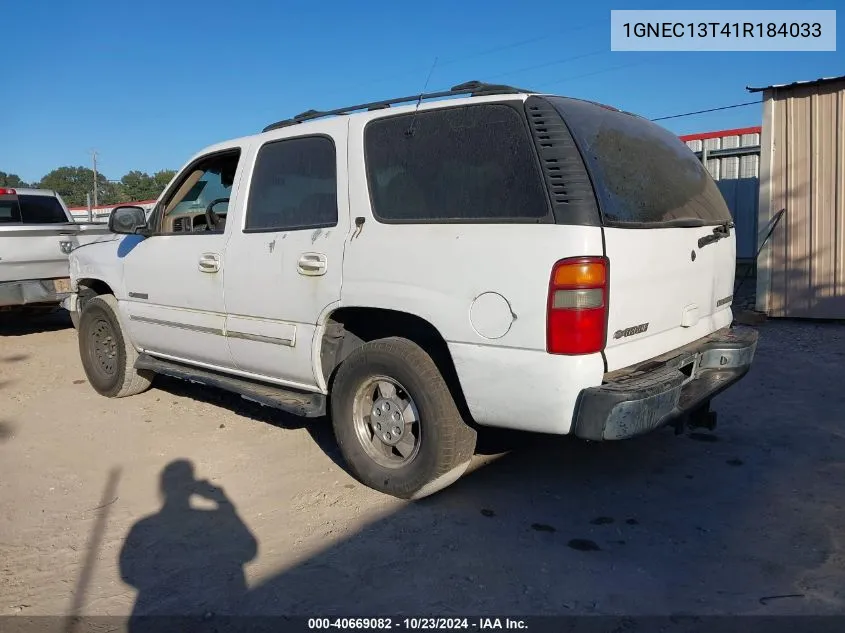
[
  {"x": 29, "y": 209},
  {"x": 462, "y": 164},
  {"x": 642, "y": 173},
  {"x": 10, "y": 211}
]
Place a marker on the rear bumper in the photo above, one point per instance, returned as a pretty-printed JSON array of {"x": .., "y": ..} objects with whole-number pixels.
[
  {"x": 638, "y": 399},
  {"x": 32, "y": 291}
]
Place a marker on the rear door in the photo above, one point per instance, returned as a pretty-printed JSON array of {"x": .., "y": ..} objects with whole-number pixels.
[
  {"x": 672, "y": 254},
  {"x": 285, "y": 258}
]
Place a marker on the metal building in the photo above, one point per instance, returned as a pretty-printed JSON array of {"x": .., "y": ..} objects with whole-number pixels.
[
  {"x": 101, "y": 212},
  {"x": 801, "y": 271},
  {"x": 733, "y": 159}
]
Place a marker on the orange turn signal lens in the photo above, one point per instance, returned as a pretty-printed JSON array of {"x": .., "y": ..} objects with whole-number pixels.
[{"x": 579, "y": 274}]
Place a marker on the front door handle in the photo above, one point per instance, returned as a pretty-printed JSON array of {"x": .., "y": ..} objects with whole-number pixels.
[
  {"x": 312, "y": 264},
  {"x": 209, "y": 263}
]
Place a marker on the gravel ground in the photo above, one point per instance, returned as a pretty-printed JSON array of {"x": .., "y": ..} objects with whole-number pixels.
[{"x": 261, "y": 518}]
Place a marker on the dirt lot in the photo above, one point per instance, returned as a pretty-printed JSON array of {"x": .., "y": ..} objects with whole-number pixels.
[{"x": 748, "y": 519}]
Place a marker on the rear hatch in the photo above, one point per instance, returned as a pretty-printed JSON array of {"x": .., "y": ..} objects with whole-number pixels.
[{"x": 667, "y": 230}]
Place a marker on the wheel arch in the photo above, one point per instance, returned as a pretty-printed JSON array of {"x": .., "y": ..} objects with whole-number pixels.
[
  {"x": 88, "y": 288},
  {"x": 94, "y": 286},
  {"x": 346, "y": 328}
]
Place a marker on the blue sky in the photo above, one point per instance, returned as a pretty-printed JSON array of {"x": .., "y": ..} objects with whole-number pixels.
[{"x": 149, "y": 83}]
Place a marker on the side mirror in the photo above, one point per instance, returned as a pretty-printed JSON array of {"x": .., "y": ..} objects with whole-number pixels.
[{"x": 127, "y": 220}]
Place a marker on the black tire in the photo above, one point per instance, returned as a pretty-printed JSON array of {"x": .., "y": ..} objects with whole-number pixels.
[
  {"x": 108, "y": 356},
  {"x": 446, "y": 443}
]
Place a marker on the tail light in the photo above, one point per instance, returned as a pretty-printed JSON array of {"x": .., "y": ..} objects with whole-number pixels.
[
  {"x": 5, "y": 191},
  {"x": 576, "y": 318}
]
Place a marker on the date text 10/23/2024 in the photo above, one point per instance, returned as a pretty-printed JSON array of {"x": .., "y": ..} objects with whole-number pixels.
[{"x": 426, "y": 623}]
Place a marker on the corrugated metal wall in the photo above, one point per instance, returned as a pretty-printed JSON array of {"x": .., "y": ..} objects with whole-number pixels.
[
  {"x": 738, "y": 178},
  {"x": 803, "y": 170}
]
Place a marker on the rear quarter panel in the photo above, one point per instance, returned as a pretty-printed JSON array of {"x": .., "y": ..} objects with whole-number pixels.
[{"x": 484, "y": 287}]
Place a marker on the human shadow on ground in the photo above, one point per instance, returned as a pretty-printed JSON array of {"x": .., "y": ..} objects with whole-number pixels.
[
  {"x": 743, "y": 520},
  {"x": 184, "y": 560}
]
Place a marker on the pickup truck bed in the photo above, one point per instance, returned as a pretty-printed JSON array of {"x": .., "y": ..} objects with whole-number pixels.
[{"x": 34, "y": 250}]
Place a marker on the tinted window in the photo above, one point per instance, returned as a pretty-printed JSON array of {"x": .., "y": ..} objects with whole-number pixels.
[
  {"x": 294, "y": 185},
  {"x": 9, "y": 210},
  {"x": 31, "y": 210},
  {"x": 643, "y": 174},
  {"x": 471, "y": 163},
  {"x": 41, "y": 210}
]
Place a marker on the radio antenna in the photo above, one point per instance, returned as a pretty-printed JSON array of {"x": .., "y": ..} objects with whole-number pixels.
[{"x": 410, "y": 130}]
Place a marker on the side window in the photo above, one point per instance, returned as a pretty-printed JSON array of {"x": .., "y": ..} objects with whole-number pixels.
[
  {"x": 41, "y": 210},
  {"x": 294, "y": 186},
  {"x": 464, "y": 164},
  {"x": 199, "y": 201},
  {"x": 10, "y": 211}
]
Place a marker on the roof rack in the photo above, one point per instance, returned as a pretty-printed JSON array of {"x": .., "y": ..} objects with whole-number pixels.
[{"x": 472, "y": 88}]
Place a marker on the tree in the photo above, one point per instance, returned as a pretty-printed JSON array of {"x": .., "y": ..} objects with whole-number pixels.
[
  {"x": 162, "y": 179},
  {"x": 12, "y": 180},
  {"x": 73, "y": 183},
  {"x": 138, "y": 185}
]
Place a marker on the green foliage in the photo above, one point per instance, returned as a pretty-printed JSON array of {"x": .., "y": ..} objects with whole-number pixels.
[
  {"x": 138, "y": 185},
  {"x": 73, "y": 183},
  {"x": 12, "y": 180},
  {"x": 162, "y": 179}
]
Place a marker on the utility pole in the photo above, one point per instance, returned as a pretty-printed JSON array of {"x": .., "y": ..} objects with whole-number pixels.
[{"x": 94, "y": 158}]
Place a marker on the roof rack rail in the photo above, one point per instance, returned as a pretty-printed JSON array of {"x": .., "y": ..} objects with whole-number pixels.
[{"x": 472, "y": 88}]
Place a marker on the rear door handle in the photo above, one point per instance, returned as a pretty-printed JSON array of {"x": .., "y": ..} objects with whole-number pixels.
[
  {"x": 312, "y": 264},
  {"x": 209, "y": 263}
]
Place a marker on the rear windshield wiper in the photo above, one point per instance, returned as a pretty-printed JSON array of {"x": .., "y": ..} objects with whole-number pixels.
[{"x": 723, "y": 230}]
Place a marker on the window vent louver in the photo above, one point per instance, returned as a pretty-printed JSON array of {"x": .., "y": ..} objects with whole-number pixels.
[
  {"x": 181, "y": 225},
  {"x": 570, "y": 190}
]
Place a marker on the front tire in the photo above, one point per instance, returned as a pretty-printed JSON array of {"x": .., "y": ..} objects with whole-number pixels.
[
  {"x": 396, "y": 422},
  {"x": 107, "y": 355}
]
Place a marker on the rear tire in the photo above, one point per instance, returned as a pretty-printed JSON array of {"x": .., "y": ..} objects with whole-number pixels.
[
  {"x": 423, "y": 444},
  {"x": 107, "y": 355}
]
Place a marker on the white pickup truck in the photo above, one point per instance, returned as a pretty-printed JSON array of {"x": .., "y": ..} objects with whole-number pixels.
[
  {"x": 498, "y": 258},
  {"x": 37, "y": 233}
]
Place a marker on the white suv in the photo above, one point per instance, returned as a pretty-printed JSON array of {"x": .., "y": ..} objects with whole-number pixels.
[{"x": 504, "y": 258}]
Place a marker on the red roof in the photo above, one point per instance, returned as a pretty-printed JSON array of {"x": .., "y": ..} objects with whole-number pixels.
[{"x": 720, "y": 133}]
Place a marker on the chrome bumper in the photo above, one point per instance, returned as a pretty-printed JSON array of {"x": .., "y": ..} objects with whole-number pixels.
[
  {"x": 33, "y": 291},
  {"x": 638, "y": 399}
]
